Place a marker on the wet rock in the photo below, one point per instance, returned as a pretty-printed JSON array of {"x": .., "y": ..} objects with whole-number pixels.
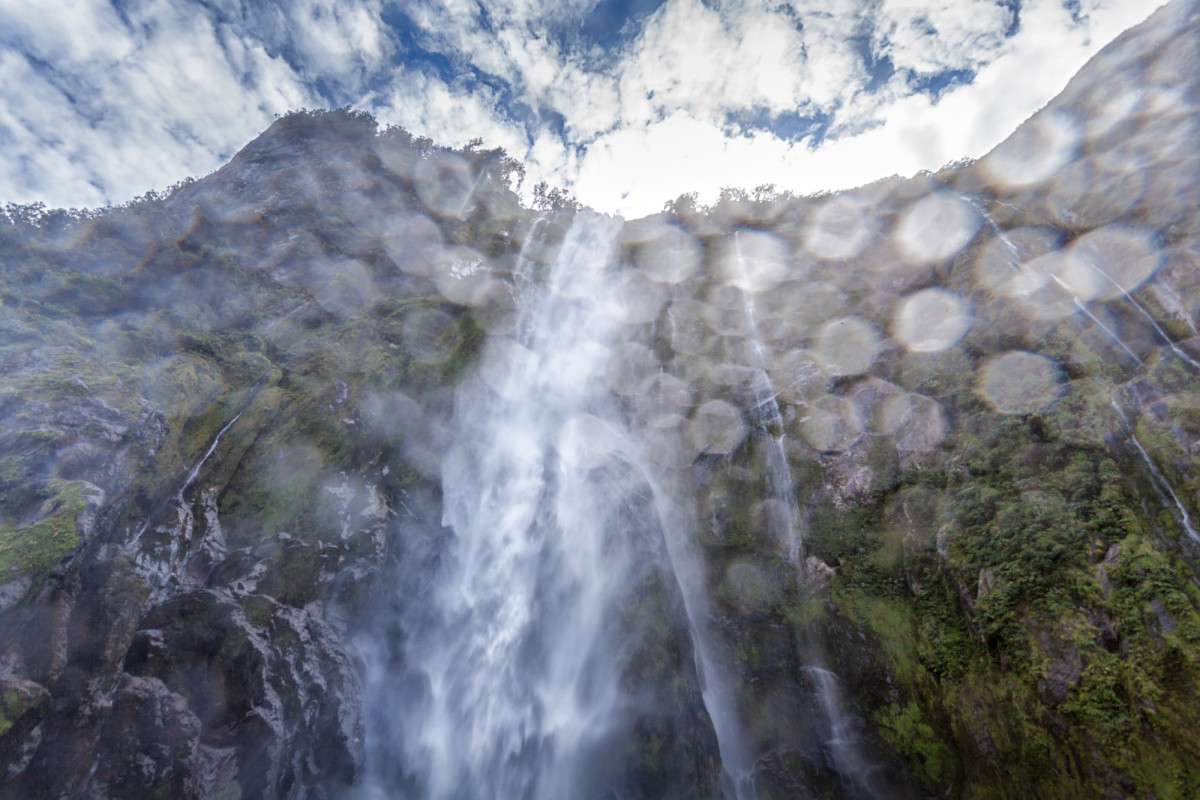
[
  {"x": 22, "y": 704},
  {"x": 1166, "y": 623},
  {"x": 988, "y": 583},
  {"x": 148, "y": 745},
  {"x": 12, "y": 592},
  {"x": 1062, "y": 667},
  {"x": 281, "y": 693},
  {"x": 817, "y": 573}
]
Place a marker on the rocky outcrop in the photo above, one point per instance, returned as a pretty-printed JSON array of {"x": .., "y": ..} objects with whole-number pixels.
[
  {"x": 144, "y": 685},
  {"x": 194, "y": 516}
]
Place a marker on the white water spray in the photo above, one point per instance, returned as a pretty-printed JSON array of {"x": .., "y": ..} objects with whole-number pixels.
[
  {"x": 518, "y": 666},
  {"x": 1159, "y": 481}
]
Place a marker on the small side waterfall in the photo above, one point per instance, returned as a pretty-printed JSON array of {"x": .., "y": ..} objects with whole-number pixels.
[
  {"x": 737, "y": 758},
  {"x": 1161, "y": 485},
  {"x": 785, "y": 515},
  {"x": 783, "y": 521}
]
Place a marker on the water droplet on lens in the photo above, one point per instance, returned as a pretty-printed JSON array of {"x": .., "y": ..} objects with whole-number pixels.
[
  {"x": 931, "y": 320},
  {"x": 1020, "y": 383},
  {"x": 935, "y": 228},
  {"x": 846, "y": 346}
]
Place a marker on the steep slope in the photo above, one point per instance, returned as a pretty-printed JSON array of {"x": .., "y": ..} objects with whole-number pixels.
[
  {"x": 927, "y": 448},
  {"x": 205, "y": 423}
]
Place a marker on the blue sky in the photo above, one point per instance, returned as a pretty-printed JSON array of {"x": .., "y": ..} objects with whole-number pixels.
[{"x": 627, "y": 103}]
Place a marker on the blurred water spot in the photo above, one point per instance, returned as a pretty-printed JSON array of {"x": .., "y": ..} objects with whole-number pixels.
[
  {"x": 390, "y": 415},
  {"x": 667, "y": 441},
  {"x": 931, "y": 320},
  {"x": 396, "y": 156},
  {"x": 1056, "y": 284},
  {"x": 444, "y": 183},
  {"x": 727, "y": 374},
  {"x": 796, "y": 375},
  {"x": 1039, "y": 148},
  {"x": 894, "y": 412},
  {"x": 686, "y": 327},
  {"x": 1107, "y": 107},
  {"x": 831, "y": 424},
  {"x": 999, "y": 261},
  {"x": 670, "y": 256},
  {"x": 846, "y": 346},
  {"x": 430, "y": 334},
  {"x": 725, "y": 312},
  {"x": 716, "y": 428},
  {"x": 1018, "y": 382},
  {"x": 494, "y": 307},
  {"x": 342, "y": 288},
  {"x": 630, "y": 368},
  {"x": 840, "y": 228},
  {"x": 638, "y": 299},
  {"x": 664, "y": 395},
  {"x": 1092, "y": 191},
  {"x": 1121, "y": 257},
  {"x": 414, "y": 244},
  {"x": 753, "y": 261},
  {"x": 925, "y": 427},
  {"x": 464, "y": 277},
  {"x": 936, "y": 227}
]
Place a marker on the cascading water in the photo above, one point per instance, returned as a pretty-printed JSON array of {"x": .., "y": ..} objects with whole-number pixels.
[
  {"x": 783, "y": 520},
  {"x": 1049, "y": 277},
  {"x": 1157, "y": 479},
  {"x": 515, "y": 690},
  {"x": 517, "y": 667},
  {"x": 784, "y": 516}
]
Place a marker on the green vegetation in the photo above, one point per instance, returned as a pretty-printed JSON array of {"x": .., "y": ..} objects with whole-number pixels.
[
  {"x": 33, "y": 549},
  {"x": 16, "y": 699},
  {"x": 1049, "y": 648}
]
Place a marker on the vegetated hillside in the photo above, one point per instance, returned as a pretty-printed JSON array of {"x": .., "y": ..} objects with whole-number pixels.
[
  {"x": 208, "y": 446},
  {"x": 225, "y": 409}
]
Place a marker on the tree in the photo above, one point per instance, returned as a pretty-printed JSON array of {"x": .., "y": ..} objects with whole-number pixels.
[{"x": 547, "y": 199}]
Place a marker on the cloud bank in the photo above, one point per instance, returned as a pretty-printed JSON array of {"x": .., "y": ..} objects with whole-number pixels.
[{"x": 626, "y": 103}]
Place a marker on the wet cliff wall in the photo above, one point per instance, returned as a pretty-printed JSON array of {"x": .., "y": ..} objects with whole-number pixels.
[{"x": 225, "y": 410}]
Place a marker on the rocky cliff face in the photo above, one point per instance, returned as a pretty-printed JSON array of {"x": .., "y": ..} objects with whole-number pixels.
[
  {"x": 939, "y": 436},
  {"x": 203, "y": 475}
]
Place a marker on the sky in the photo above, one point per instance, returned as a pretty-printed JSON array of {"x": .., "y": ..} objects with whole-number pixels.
[{"x": 624, "y": 103}]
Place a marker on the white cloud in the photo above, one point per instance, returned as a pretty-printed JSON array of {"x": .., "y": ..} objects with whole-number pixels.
[
  {"x": 424, "y": 104},
  {"x": 97, "y": 105},
  {"x": 336, "y": 40},
  {"x": 931, "y": 37},
  {"x": 97, "y": 108},
  {"x": 913, "y": 133}
]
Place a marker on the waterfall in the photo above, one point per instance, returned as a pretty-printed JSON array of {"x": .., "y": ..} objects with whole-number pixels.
[
  {"x": 768, "y": 423},
  {"x": 842, "y": 742},
  {"x": 516, "y": 663},
  {"x": 516, "y": 687},
  {"x": 1080, "y": 303},
  {"x": 1159, "y": 481}
]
